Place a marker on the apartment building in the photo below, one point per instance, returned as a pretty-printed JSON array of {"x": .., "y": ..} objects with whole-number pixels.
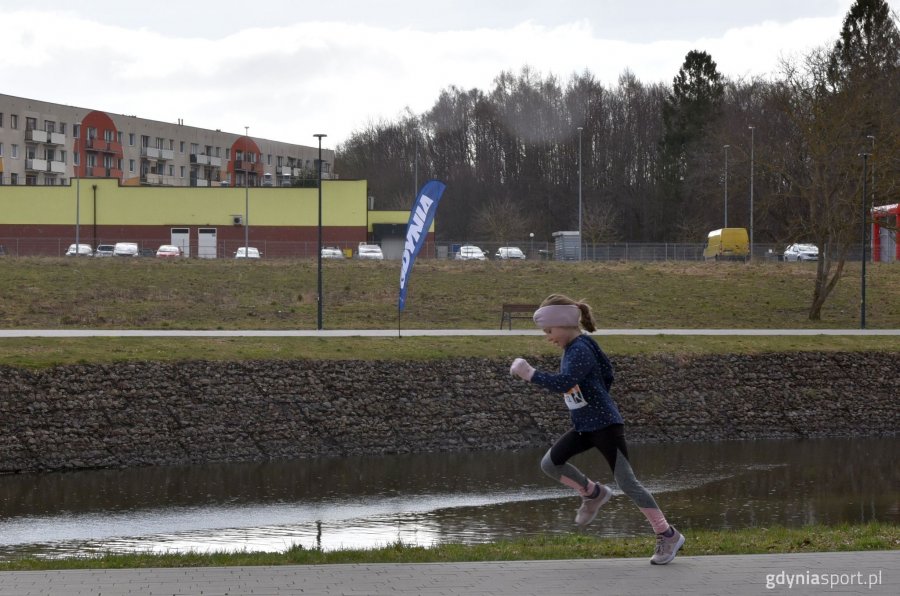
[{"x": 46, "y": 144}]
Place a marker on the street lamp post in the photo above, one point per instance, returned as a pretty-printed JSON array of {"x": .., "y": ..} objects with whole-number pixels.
[
  {"x": 416, "y": 168},
  {"x": 862, "y": 305},
  {"x": 872, "y": 138},
  {"x": 752, "y": 130},
  {"x": 531, "y": 235},
  {"x": 246, "y": 197},
  {"x": 726, "y": 184},
  {"x": 319, "y": 244},
  {"x": 580, "y": 129},
  {"x": 77, "y": 195}
]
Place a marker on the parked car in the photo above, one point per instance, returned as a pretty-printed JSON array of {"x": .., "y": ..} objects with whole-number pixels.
[
  {"x": 469, "y": 252},
  {"x": 247, "y": 252},
  {"x": 509, "y": 252},
  {"x": 146, "y": 252},
  {"x": 84, "y": 250},
  {"x": 801, "y": 252},
  {"x": 330, "y": 252},
  {"x": 104, "y": 250},
  {"x": 126, "y": 249},
  {"x": 167, "y": 251},
  {"x": 369, "y": 251}
]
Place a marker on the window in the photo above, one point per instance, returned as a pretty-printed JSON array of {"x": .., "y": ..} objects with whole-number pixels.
[
  {"x": 181, "y": 146},
  {"x": 76, "y": 158},
  {"x": 1, "y": 119},
  {"x": 92, "y": 132},
  {"x": 145, "y": 141},
  {"x": 76, "y": 130},
  {"x": 62, "y": 156},
  {"x": 91, "y": 160},
  {"x": 227, "y": 153},
  {"x": 159, "y": 142},
  {"x": 62, "y": 127},
  {"x": 1, "y": 149},
  {"x": 182, "y": 171},
  {"x": 195, "y": 148},
  {"x": 120, "y": 137},
  {"x": 218, "y": 152},
  {"x": 171, "y": 170},
  {"x": 269, "y": 159},
  {"x": 15, "y": 151},
  {"x": 131, "y": 165},
  {"x": 131, "y": 141},
  {"x": 30, "y": 180},
  {"x": 13, "y": 179},
  {"x": 49, "y": 181},
  {"x": 30, "y": 123},
  {"x": 171, "y": 144},
  {"x": 13, "y": 121},
  {"x": 50, "y": 126},
  {"x": 108, "y": 135}
]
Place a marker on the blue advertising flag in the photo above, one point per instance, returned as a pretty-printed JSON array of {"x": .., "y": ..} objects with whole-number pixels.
[{"x": 420, "y": 218}]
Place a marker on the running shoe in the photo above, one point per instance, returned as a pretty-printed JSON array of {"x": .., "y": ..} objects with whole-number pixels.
[
  {"x": 589, "y": 506},
  {"x": 667, "y": 547}
]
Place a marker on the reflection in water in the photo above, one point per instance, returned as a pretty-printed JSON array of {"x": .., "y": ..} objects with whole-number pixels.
[{"x": 425, "y": 499}]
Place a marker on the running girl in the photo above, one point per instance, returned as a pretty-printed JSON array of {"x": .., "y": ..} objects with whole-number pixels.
[{"x": 585, "y": 378}]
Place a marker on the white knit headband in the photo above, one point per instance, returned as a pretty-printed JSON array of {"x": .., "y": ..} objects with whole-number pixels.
[{"x": 557, "y": 315}]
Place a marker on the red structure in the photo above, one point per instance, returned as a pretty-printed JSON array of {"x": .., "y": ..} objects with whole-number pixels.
[
  {"x": 885, "y": 248},
  {"x": 246, "y": 166},
  {"x": 99, "y": 148}
]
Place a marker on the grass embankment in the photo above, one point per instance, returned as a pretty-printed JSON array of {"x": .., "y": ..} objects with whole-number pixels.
[
  {"x": 44, "y": 293},
  {"x": 874, "y": 536}
]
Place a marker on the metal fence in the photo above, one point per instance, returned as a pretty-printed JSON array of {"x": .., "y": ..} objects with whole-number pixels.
[{"x": 274, "y": 249}]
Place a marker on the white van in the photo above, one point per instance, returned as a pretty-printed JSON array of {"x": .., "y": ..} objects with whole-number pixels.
[
  {"x": 126, "y": 249},
  {"x": 84, "y": 250}
]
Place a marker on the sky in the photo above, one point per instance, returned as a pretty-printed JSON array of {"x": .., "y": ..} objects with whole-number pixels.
[{"x": 289, "y": 69}]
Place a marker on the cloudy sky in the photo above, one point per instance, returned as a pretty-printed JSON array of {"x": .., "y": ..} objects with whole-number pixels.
[{"x": 290, "y": 69}]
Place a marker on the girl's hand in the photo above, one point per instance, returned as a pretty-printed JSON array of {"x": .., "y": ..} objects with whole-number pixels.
[{"x": 522, "y": 369}]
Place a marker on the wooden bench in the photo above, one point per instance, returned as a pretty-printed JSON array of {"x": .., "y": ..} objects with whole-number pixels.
[{"x": 516, "y": 311}]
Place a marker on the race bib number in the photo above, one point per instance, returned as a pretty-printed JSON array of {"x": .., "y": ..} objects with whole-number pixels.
[{"x": 574, "y": 398}]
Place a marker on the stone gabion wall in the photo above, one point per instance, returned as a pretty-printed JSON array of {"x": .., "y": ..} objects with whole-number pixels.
[{"x": 135, "y": 414}]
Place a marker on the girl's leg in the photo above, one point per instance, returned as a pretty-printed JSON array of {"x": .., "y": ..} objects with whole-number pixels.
[
  {"x": 611, "y": 443},
  {"x": 555, "y": 462}
]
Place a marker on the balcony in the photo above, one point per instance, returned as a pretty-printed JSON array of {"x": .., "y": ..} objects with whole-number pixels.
[
  {"x": 284, "y": 170},
  {"x": 57, "y": 167},
  {"x": 200, "y": 159},
  {"x": 242, "y": 165},
  {"x": 36, "y": 136},
  {"x": 158, "y": 180},
  {"x": 57, "y": 138},
  {"x": 36, "y": 165},
  {"x": 199, "y": 182},
  {"x": 215, "y": 161},
  {"x": 104, "y": 146}
]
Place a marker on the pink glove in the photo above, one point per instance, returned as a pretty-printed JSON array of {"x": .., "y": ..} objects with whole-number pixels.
[{"x": 522, "y": 369}]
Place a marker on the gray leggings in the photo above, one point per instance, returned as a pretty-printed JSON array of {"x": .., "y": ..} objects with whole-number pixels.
[{"x": 610, "y": 441}]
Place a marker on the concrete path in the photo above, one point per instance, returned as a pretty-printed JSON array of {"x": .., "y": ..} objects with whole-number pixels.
[
  {"x": 420, "y": 332},
  {"x": 871, "y": 573}
]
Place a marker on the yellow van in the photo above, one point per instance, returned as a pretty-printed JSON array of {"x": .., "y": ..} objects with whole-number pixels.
[{"x": 732, "y": 244}]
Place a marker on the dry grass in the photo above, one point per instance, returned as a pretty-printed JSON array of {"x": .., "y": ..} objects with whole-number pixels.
[{"x": 37, "y": 293}]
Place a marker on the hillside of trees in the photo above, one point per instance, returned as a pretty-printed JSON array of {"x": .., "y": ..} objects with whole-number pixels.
[{"x": 653, "y": 156}]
